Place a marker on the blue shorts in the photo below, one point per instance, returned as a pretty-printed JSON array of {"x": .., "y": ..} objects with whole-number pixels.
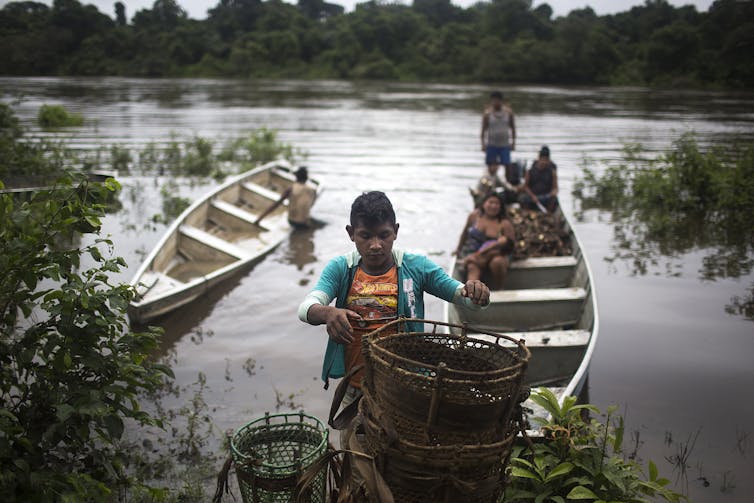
[{"x": 498, "y": 155}]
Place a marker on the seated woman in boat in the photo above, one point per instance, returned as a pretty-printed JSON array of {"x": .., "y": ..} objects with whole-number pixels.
[
  {"x": 540, "y": 188},
  {"x": 487, "y": 241}
]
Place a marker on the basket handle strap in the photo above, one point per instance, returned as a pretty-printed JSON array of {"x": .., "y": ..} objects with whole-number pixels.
[
  {"x": 327, "y": 461},
  {"x": 222, "y": 481},
  {"x": 367, "y": 468},
  {"x": 342, "y": 420}
]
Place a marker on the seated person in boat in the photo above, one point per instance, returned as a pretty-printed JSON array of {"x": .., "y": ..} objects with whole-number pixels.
[
  {"x": 374, "y": 284},
  {"x": 300, "y": 201},
  {"x": 487, "y": 241},
  {"x": 490, "y": 182},
  {"x": 540, "y": 188}
]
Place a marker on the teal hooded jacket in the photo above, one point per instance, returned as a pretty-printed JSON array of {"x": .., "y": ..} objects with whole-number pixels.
[{"x": 416, "y": 274}]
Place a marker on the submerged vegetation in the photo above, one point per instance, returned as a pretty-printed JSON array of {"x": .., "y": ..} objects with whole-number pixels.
[
  {"x": 685, "y": 200},
  {"x": 56, "y": 116},
  {"x": 424, "y": 40},
  {"x": 26, "y": 162}
]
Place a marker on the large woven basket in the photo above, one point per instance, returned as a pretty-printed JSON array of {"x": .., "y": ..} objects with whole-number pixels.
[
  {"x": 436, "y": 386},
  {"x": 270, "y": 454},
  {"x": 420, "y": 473}
]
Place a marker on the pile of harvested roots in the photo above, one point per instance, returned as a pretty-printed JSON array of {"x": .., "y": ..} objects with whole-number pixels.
[{"x": 539, "y": 234}]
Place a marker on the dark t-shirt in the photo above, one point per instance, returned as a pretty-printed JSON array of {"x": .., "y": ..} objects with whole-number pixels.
[{"x": 541, "y": 179}]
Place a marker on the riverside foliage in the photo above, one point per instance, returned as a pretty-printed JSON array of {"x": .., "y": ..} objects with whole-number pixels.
[
  {"x": 501, "y": 40},
  {"x": 581, "y": 459},
  {"x": 683, "y": 200},
  {"x": 70, "y": 368}
]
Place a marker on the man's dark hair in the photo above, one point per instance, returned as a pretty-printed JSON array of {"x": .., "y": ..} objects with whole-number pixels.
[
  {"x": 302, "y": 174},
  {"x": 371, "y": 209},
  {"x": 496, "y": 94}
]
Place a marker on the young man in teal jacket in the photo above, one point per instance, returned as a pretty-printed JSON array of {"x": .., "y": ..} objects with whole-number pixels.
[{"x": 374, "y": 284}]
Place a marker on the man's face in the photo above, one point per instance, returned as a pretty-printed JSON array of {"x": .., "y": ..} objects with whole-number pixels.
[
  {"x": 497, "y": 103},
  {"x": 374, "y": 244}
]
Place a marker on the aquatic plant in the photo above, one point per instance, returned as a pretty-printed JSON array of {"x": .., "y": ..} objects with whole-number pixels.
[
  {"x": 56, "y": 116},
  {"x": 259, "y": 147},
  {"x": 581, "y": 459},
  {"x": 683, "y": 200},
  {"x": 27, "y": 161}
]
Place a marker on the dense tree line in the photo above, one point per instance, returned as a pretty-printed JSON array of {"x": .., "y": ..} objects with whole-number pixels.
[{"x": 501, "y": 40}]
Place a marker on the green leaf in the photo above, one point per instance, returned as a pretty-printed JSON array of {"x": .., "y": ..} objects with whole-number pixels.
[
  {"x": 114, "y": 425},
  {"x": 546, "y": 399},
  {"x": 559, "y": 471},
  {"x": 523, "y": 473},
  {"x": 652, "y": 471},
  {"x": 542, "y": 495},
  {"x": 581, "y": 493},
  {"x": 619, "y": 431},
  {"x": 64, "y": 411}
]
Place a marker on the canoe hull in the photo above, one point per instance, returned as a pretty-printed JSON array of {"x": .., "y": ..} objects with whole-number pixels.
[{"x": 214, "y": 239}]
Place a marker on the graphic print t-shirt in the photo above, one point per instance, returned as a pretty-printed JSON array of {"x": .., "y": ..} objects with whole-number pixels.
[{"x": 375, "y": 298}]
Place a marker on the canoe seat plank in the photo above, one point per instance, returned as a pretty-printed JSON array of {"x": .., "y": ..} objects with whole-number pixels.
[
  {"x": 544, "y": 338},
  {"x": 262, "y": 191},
  {"x": 544, "y": 262},
  {"x": 213, "y": 241},
  {"x": 526, "y": 310},
  {"x": 537, "y": 295},
  {"x": 234, "y": 210}
]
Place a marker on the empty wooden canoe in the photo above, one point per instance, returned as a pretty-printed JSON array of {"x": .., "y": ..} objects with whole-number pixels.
[{"x": 214, "y": 238}]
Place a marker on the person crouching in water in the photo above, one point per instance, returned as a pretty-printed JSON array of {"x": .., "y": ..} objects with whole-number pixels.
[{"x": 487, "y": 242}]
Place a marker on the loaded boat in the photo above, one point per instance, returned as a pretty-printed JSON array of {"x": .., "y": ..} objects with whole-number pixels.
[{"x": 550, "y": 303}]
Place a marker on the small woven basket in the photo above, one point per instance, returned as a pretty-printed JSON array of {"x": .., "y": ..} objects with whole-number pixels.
[
  {"x": 444, "y": 388},
  {"x": 270, "y": 453}
]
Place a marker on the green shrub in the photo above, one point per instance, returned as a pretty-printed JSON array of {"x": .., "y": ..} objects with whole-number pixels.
[
  {"x": 70, "y": 368},
  {"x": 580, "y": 460},
  {"x": 56, "y": 116}
]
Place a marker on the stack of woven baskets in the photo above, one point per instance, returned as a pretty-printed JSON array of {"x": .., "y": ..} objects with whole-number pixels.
[{"x": 438, "y": 411}]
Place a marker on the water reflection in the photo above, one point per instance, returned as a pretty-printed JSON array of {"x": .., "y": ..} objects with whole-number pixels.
[
  {"x": 190, "y": 318},
  {"x": 300, "y": 250}
]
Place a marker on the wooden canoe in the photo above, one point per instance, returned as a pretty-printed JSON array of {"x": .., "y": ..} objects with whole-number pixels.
[
  {"x": 551, "y": 303},
  {"x": 212, "y": 239}
]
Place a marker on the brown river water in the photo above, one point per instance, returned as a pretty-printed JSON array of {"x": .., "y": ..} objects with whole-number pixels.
[{"x": 668, "y": 355}]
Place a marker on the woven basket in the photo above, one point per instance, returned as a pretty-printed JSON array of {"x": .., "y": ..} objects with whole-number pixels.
[
  {"x": 418, "y": 473},
  {"x": 436, "y": 386},
  {"x": 270, "y": 453}
]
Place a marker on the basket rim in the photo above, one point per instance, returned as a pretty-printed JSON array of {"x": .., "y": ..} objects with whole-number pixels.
[
  {"x": 314, "y": 424},
  {"x": 472, "y": 377},
  {"x": 376, "y": 350}
]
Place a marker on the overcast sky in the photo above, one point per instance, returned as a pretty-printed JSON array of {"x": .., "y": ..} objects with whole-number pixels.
[{"x": 197, "y": 9}]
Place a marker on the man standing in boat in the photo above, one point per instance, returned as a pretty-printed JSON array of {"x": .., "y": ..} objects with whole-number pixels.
[
  {"x": 300, "y": 201},
  {"x": 498, "y": 135}
]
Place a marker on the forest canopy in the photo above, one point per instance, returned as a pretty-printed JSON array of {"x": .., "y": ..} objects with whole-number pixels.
[{"x": 653, "y": 44}]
